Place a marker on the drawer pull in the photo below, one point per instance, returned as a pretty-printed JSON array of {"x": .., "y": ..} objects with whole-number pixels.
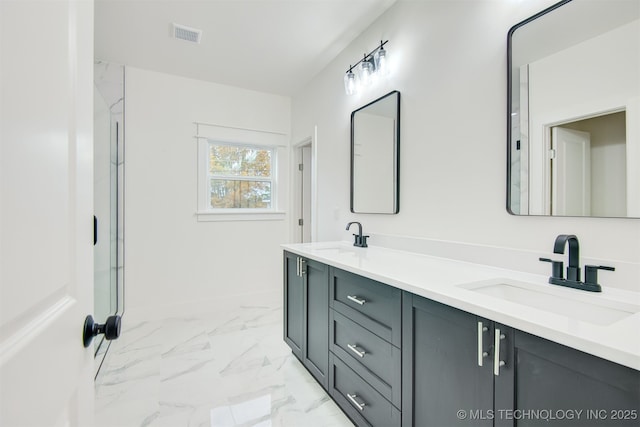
[
  {"x": 355, "y": 299},
  {"x": 497, "y": 363},
  {"x": 353, "y": 400},
  {"x": 481, "y": 353},
  {"x": 356, "y": 351}
]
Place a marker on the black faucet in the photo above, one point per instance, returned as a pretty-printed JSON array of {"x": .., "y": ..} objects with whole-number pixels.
[
  {"x": 573, "y": 269},
  {"x": 359, "y": 239}
]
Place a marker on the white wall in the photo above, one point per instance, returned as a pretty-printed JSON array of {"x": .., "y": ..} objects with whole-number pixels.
[
  {"x": 450, "y": 67},
  {"x": 175, "y": 264}
]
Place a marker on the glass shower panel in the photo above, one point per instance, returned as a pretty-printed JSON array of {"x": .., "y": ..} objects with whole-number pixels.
[
  {"x": 103, "y": 211},
  {"x": 108, "y": 196}
]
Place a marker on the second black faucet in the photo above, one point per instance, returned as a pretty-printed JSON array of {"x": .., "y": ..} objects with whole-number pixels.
[
  {"x": 573, "y": 269},
  {"x": 359, "y": 239}
]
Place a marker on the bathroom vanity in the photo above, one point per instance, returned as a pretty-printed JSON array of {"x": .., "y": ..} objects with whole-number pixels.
[
  {"x": 404, "y": 339},
  {"x": 306, "y": 318}
]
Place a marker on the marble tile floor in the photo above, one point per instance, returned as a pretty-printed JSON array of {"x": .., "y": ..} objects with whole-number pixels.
[{"x": 224, "y": 369}]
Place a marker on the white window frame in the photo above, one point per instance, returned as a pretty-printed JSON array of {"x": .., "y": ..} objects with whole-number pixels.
[{"x": 206, "y": 213}]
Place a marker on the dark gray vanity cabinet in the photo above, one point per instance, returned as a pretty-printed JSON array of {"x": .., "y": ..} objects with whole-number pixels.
[
  {"x": 452, "y": 377},
  {"x": 365, "y": 361},
  {"x": 293, "y": 304},
  {"x": 306, "y": 313},
  {"x": 584, "y": 389},
  {"x": 388, "y": 358},
  {"x": 442, "y": 374}
]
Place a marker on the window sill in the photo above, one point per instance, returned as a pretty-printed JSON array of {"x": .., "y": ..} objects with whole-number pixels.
[{"x": 242, "y": 215}]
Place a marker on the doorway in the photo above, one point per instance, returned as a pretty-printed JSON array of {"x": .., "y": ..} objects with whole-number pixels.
[
  {"x": 304, "y": 191},
  {"x": 588, "y": 166}
]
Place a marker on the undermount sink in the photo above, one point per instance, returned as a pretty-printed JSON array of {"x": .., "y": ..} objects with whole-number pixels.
[
  {"x": 338, "y": 248},
  {"x": 328, "y": 248},
  {"x": 575, "y": 304}
]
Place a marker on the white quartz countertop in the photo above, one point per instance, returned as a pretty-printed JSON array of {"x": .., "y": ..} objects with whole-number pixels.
[{"x": 443, "y": 280}]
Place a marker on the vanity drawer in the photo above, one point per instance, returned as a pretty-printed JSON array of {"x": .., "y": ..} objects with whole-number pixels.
[
  {"x": 374, "y": 359},
  {"x": 361, "y": 402},
  {"x": 372, "y": 304}
]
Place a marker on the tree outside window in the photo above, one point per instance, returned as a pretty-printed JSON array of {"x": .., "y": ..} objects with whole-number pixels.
[{"x": 240, "y": 176}]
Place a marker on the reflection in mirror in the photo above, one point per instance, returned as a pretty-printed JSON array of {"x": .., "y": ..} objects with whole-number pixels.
[
  {"x": 574, "y": 111},
  {"x": 375, "y": 143}
]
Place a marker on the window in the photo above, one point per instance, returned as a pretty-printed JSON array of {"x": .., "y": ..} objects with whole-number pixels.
[{"x": 240, "y": 176}]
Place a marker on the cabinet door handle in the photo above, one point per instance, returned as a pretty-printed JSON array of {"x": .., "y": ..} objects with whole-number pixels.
[
  {"x": 303, "y": 270},
  {"x": 481, "y": 353},
  {"x": 355, "y": 299},
  {"x": 353, "y": 400},
  {"x": 353, "y": 348},
  {"x": 298, "y": 266},
  {"x": 497, "y": 363}
]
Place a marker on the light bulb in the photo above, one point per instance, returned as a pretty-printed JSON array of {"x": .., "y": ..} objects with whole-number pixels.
[
  {"x": 366, "y": 70},
  {"x": 350, "y": 86},
  {"x": 382, "y": 62}
]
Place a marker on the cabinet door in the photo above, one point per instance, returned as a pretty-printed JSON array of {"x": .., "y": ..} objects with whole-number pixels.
[
  {"x": 441, "y": 372},
  {"x": 293, "y": 304},
  {"x": 316, "y": 315},
  {"x": 568, "y": 386}
]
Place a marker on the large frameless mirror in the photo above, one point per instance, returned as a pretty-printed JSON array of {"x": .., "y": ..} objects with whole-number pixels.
[
  {"x": 574, "y": 111},
  {"x": 375, "y": 156}
]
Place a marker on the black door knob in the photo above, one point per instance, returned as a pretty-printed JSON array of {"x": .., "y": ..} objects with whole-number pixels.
[{"x": 110, "y": 329}]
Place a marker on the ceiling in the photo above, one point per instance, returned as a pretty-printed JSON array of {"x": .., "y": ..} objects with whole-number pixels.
[{"x": 274, "y": 46}]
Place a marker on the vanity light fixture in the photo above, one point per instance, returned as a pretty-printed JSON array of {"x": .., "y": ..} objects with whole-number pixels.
[
  {"x": 382, "y": 66},
  {"x": 371, "y": 66},
  {"x": 350, "y": 82},
  {"x": 366, "y": 71}
]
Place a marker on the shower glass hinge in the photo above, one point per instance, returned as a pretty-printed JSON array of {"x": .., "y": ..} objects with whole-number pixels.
[{"x": 301, "y": 221}]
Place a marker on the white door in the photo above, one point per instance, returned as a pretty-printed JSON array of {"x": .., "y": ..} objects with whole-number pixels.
[
  {"x": 570, "y": 172},
  {"x": 306, "y": 194},
  {"x": 302, "y": 191},
  {"x": 46, "y": 212}
]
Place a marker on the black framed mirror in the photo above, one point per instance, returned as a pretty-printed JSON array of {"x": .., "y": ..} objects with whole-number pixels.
[
  {"x": 375, "y": 156},
  {"x": 573, "y": 132}
]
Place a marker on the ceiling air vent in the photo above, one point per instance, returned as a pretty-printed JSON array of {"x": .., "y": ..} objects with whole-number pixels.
[{"x": 185, "y": 33}]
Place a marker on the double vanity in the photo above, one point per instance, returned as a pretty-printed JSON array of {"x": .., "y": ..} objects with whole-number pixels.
[{"x": 406, "y": 339}]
